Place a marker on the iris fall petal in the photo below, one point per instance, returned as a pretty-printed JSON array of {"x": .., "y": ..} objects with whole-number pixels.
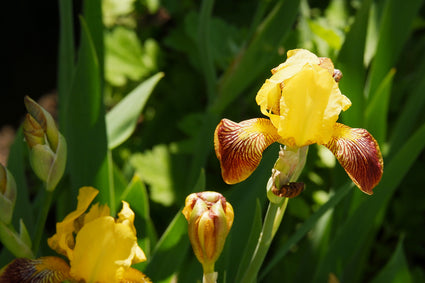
[
  {"x": 239, "y": 146},
  {"x": 45, "y": 269},
  {"x": 359, "y": 154}
]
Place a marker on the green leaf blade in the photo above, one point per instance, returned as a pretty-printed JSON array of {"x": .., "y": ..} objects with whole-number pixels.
[{"x": 122, "y": 119}]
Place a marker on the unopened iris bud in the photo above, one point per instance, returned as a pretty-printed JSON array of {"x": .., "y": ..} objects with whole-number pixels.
[
  {"x": 209, "y": 218},
  {"x": 47, "y": 145},
  {"x": 286, "y": 170},
  {"x": 7, "y": 195}
]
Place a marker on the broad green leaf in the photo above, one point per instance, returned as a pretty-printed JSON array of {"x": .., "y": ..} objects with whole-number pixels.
[
  {"x": 251, "y": 243},
  {"x": 329, "y": 35},
  {"x": 369, "y": 213},
  {"x": 377, "y": 111},
  {"x": 255, "y": 60},
  {"x": 92, "y": 11},
  {"x": 350, "y": 62},
  {"x": 126, "y": 57},
  {"x": 396, "y": 270},
  {"x": 392, "y": 37},
  {"x": 204, "y": 46},
  {"x": 170, "y": 252},
  {"x": 85, "y": 124},
  {"x": 66, "y": 58},
  {"x": 412, "y": 111},
  {"x": 201, "y": 183},
  {"x": 115, "y": 10},
  {"x": 154, "y": 167},
  {"x": 122, "y": 119}
]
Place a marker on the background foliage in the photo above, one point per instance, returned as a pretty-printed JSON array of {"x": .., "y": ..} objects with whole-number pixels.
[{"x": 143, "y": 83}]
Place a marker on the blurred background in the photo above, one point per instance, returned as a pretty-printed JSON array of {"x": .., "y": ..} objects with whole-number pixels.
[{"x": 214, "y": 63}]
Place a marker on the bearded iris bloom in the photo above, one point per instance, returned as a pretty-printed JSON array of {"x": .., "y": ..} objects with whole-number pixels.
[
  {"x": 99, "y": 248},
  {"x": 302, "y": 101}
]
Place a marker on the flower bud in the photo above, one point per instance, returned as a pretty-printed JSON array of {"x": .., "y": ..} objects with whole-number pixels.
[
  {"x": 7, "y": 195},
  {"x": 209, "y": 218},
  {"x": 287, "y": 169},
  {"x": 47, "y": 145}
]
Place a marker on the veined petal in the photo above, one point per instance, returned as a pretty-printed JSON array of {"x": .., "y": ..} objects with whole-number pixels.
[
  {"x": 239, "y": 146},
  {"x": 359, "y": 154},
  {"x": 45, "y": 269}
]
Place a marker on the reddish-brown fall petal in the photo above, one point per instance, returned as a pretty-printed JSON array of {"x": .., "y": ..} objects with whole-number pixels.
[
  {"x": 359, "y": 154},
  {"x": 239, "y": 146}
]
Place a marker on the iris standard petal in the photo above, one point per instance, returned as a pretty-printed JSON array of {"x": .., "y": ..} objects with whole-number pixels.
[
  {"x": 239, "y": 146},
  {"x": 63, "y": 241},
  {"x": 96, "y": 211},
  {"x": 268, "y": 97},
  {"x": 99, "y": 245},
  {"x": 359, "y": 154},
  {"x": 104, "y": 249},
  {"x": 310, "y": 105}
]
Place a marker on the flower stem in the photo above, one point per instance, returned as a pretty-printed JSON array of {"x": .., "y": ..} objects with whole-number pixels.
[
  {"x": 41, "y": 220},
  {"x": 272, "y": 221},
  {"x": 290, "y": 164}
]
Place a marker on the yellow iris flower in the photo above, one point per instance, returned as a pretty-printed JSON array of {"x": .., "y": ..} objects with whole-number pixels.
[
  {"x": 303, "y": 101},
  {"x": 99, "y": 247}
]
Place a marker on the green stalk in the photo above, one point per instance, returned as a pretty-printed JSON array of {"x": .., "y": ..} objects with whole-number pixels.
[
  {"x": 271, "y": 223},
  {"x": 41, "y": 220},
  {"x": 290, "y": 164}
]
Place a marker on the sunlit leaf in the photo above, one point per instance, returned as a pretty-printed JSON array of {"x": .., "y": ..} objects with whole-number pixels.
[
  {"x": 154, "y": 168},
  {"x": 126, "y": 57},
  {"x": 122, "y": 119}
]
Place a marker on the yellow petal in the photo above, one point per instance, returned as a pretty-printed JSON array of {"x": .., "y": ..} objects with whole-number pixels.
[
  {"x": 132, "y": 275},
  {"x": 359, "y": 154},
  {"x": 239, "y": 146},
  {"x": 309, "y": 108},
  {"x": 95, "y": 212},
  {"x": 126, "y": 217},
  {"x": 269, "y": 95},
  {"x": 45, "y": 269},
  {"x": 206, "y": 235},
  {"x": 104, "y": 249},
  {"x": 297, "y": 57},
  {"x": 63, "y": 241}
]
